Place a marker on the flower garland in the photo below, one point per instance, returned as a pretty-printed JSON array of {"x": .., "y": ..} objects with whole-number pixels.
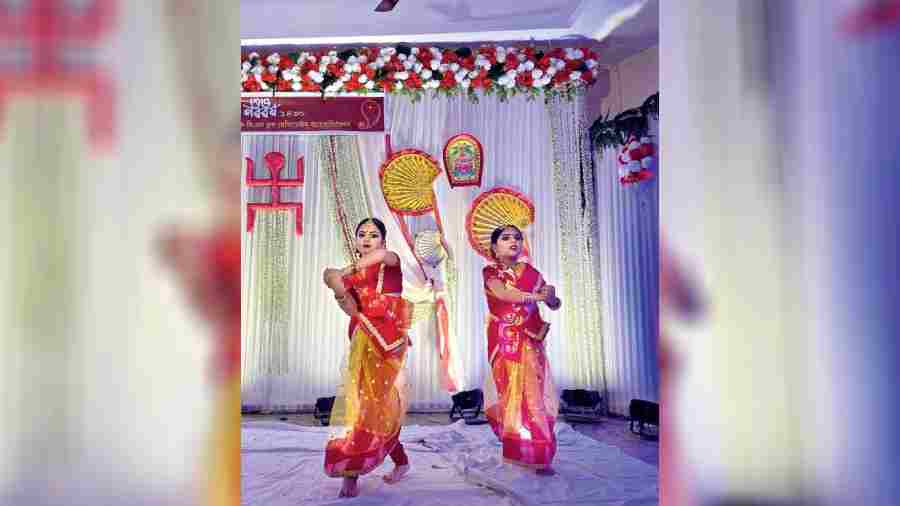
[
  {"x": 635, "y": 160},
  {"x": 412, "y": 71},
  {"x": 616, "y": 132}
]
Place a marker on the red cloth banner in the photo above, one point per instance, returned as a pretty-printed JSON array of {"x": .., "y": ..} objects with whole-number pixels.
[{"x": 312, "y": 114}]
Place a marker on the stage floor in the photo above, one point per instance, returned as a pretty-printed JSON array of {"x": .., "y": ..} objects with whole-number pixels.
[{"x": 451, "y": 465}]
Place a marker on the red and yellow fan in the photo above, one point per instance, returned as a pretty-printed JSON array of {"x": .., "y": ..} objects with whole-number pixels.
[
  {"x": 407, "y": 179},
  {"x": 495, "y": 208}
]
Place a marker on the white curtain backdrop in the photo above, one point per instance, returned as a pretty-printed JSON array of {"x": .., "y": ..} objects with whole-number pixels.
[
  {"x": 287, "y": 367},
  {"x": 628, "y": 231}
]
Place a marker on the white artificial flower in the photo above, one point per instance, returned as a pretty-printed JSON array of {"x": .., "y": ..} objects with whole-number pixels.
[
  {"x": 590, "y": 63},
  {"x": 575, "y": 75},
  {"x": 332, "y": 53},
  {"x": 363, "y": 78},
  {"x": 537, "y": 73},
  {"x": 511, "y": 84},
  {"x": 297, "y": 86},
  {"x": 623, "y": 171},
  {"x": 634, "y": 166},
  {"x": 473, "y": 74},
  {"x": 465, "y": 83},
  {"x": 317, "y": 77},
  {"x": 454, "y": 67},
  {"x": 363, "y": 59},
  {"x": 461, "y": 75},
  {"x": 257, "y": 70},
  {"x": 546, "y": 80},
  {"x": 435, "y": 64},
  {"x": 529, "y": 65},
  {"x": 244, "y": 77},
  {"x": 560, "y": 65},
  {"x": 502, "y": 80},
  {"x": 325, "y": 60},
  {"x": 443, "y": 67},
  {"x": 645, "y": 140},
  {"x": 323, "y": 68},
  {"x": 521, "y": 68},
  {"x": 391, "y": 51},
  {"x": 385, "y": 51},
  {"x": 287, "y": 75},
  {"x": 273, "y": 69},
  {"x": 487, "y": 65},
  {"x": 426, "y": 74},
  {"x": 408, "y": 64},
  {"x": 633, "y": 145},
  {"x": 253, "y": 55},
  {"x": 379, "y": 62},
  {"x": 345, "y": 77},
  {"x": 398, "y": 85},
  {"x": 401, "y": 57},
  {"x": 579, "y": 54},
  {"x": 435, "y": 52},
  {"x": 401, "y": 76},
  {"x": 522, "y": 57},
  {"x": 370, "y": 85},
  {"x": 417, "y": 68},
  {"x": 264, "y": 86},
  {"x": 352, "y": 59},
  {"x": 347, "y": 67},
  {"x": 538, "y": 83},
  {"x": 245, "y": 67},
  {"x": 646, "y": 162},
  {"x": 304, "y": 55},
  {"x": 312, "y": 58},
  {"x": 414, "y": 51}
]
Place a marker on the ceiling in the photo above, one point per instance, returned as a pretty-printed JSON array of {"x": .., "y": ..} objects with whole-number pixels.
[{"x": 617, "y": 28}]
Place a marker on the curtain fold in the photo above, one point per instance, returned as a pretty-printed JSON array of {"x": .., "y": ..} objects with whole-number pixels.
[{"x": 628, "y": 240}]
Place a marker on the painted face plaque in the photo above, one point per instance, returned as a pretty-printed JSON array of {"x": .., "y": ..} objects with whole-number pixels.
[{"x": 463, "y": 160}]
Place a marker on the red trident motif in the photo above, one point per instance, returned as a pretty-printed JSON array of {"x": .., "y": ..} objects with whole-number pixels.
[
  {"x": 53, "y": 47},
  {"x": 275, "y": 163}
]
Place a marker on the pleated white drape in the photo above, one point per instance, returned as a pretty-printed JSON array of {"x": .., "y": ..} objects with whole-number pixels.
[
  {"x": 287, "y": 367},
  {"x": 628, "y": 232}
]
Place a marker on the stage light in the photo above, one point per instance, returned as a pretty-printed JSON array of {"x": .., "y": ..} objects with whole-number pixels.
[
  {"x": 643, "y": 413},
  {"x": 322, "y": 411},
  {"x": 468, "y": 406},
  {"x": 581, "y": 406}
]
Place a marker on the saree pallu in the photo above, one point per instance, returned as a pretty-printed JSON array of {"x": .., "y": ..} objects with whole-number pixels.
[
  {"x": 520, "y": 397},
  {"x": 371, "y": 402}
]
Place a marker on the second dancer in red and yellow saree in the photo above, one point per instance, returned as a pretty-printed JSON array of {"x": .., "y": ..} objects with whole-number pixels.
[
  {"x": 371, "y": 402},
  {"x": 520, "y": 399}
]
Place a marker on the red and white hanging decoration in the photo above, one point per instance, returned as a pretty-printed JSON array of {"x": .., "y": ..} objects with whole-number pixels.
[{"x": 636, "y": 160}]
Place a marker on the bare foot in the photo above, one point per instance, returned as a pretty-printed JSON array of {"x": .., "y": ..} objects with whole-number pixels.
[
  {"x": 396, "y": 474},
  {"x": 547, "y": 471},
  {"x": 350, "y": 489}
]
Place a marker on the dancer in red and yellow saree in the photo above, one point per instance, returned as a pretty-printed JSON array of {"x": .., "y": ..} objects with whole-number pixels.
[
  {"x": 520, "y": 399},
  {"x": 371, "y": 403}
]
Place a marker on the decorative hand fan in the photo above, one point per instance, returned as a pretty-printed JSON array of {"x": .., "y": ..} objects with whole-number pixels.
[
  {"x": 492, "y": 209},
  {"x": 428, "y": 247},
  {"x": 406, "y": 179}
]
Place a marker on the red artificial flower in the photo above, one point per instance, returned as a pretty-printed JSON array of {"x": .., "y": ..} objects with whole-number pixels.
[
  {"x": 283, "y": 85},
  {"x": 269, "y": 77},
  {"x": 573, "y": 64},
  {"x": 525, "y": 79},
  {"x": 353, "y": 84},
  {"x": 334, "y": 68},
  {"x": 449, "y": 57},
  {"x": 386, "y": 84},
  {"x": 252, "y": 85},
  {"x": 285, "y": 63},
  {"x": 544, "y": 63},
  {"x": 414, "y": 81},
  {"x": 370, "y": 72},
  {"x": 558, "y": 53},
  {"x": 529, "y": 52},
  {"x": 448, "y": 81},
  {"x": 562, "y": 76},
  {"x": 468, "y": 63},
  {"x": 512, "y": 62},
  {"x": 309, "y": 66}
]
